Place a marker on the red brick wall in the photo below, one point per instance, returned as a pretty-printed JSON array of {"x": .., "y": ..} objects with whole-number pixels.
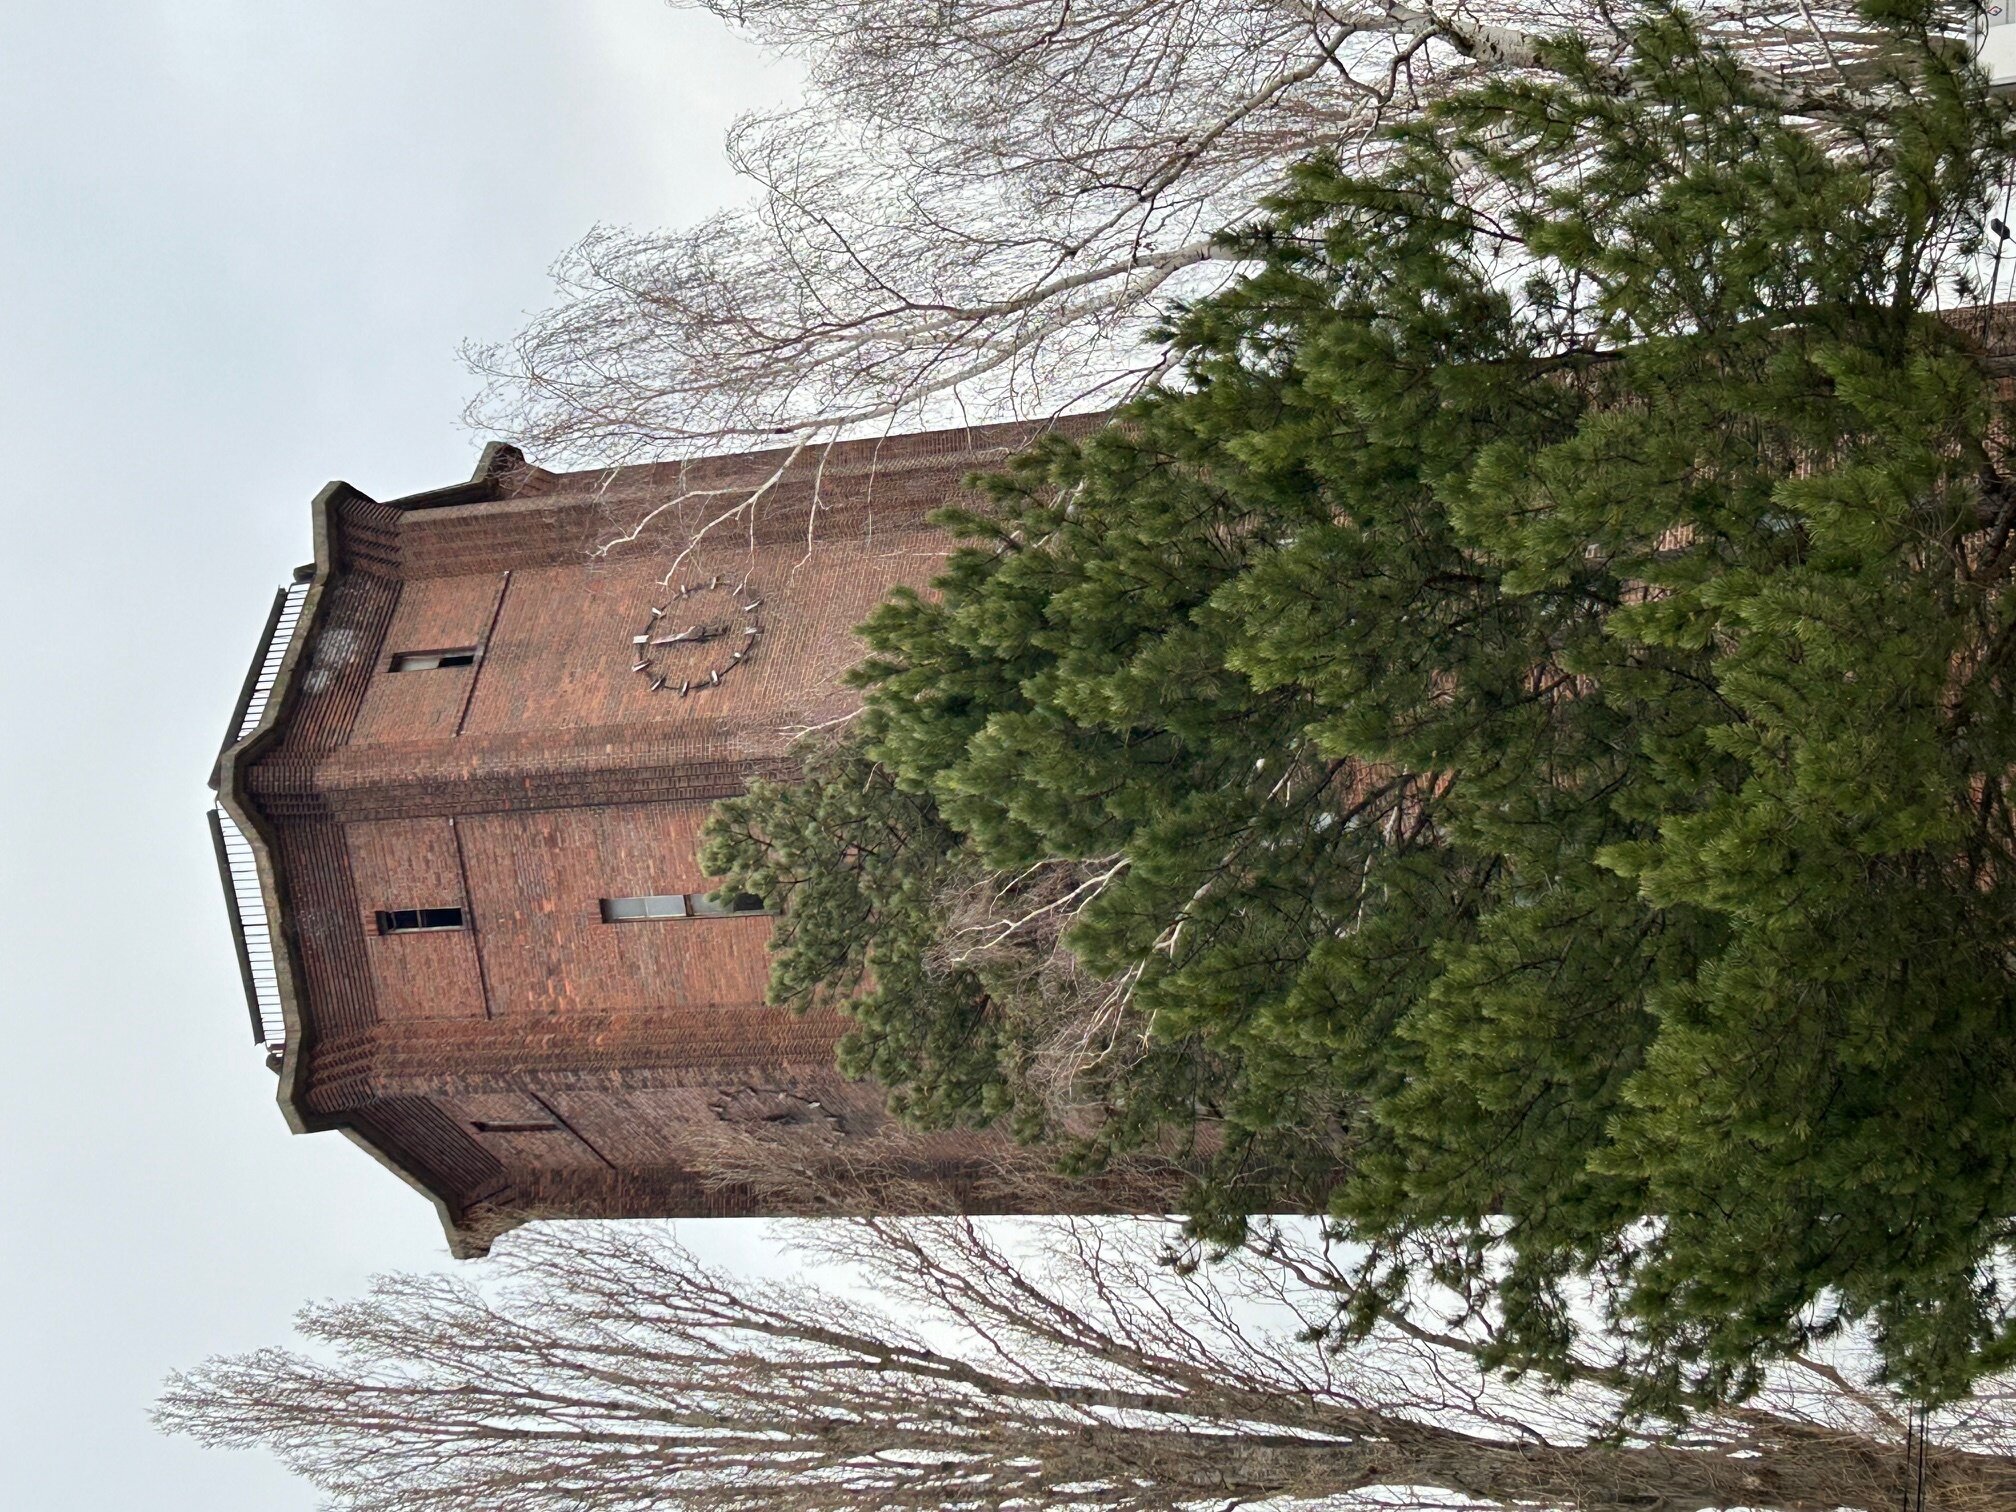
[
  {"x": 559, "y": 1148},
  {"x": 537, "y": 880},
  {"x": 635, "y": 1130},
  {"x": 531, "y": 885},
  {"x": 413, "y": 863},
  {"x": 321, "y": 915},
  {"x": 549, "y": 776},
  {"x": 434, "y": 614}
]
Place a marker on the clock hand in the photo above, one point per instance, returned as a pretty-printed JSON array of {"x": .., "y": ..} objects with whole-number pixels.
[{"x": 690, "y": 633}]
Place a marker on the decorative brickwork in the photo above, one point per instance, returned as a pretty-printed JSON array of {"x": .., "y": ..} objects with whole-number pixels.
[{"x": 563, "y": 718}]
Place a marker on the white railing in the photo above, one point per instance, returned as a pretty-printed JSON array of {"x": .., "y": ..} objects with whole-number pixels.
[
  {"x": 286, "y": 620},
  {"x": 251, "y": 929}
]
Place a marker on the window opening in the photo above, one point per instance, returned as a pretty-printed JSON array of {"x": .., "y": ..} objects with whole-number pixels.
[
  {"x": 705, "y": 907},
  {"x": 428, "y": 661},
  {"x": 679, "y": 906},
  {"x": 515, "y": 1126},
  {"x": 656, "y": 906},
  {"x": 416, "y": 920}
]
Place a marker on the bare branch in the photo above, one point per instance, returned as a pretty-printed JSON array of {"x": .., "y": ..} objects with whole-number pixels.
[
  {"x": 982, "y": 207},
  {"x": 951, "y": 1363}
]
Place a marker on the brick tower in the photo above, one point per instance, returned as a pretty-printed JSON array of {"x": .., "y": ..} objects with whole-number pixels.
[{"x": 458, "y": 811}]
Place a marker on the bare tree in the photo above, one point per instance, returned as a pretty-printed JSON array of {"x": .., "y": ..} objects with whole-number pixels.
[
  {"x": 942, "y": 1368},
  {"x": 980, "y": 207}
]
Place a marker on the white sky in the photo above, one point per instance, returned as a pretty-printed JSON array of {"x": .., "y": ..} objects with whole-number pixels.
[{"x": 239, "y": 243}]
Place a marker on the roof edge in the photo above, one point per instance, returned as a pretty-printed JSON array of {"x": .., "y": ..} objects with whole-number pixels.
[
  {"x": 464, "y": 1243},
  {"x": 235, "y": 762},
  {"x": 497, "y": 459},
  {"x": 229, "y": 778},
  {"x": 238, "y": 941},
  {"x": 251, "y": 683}
]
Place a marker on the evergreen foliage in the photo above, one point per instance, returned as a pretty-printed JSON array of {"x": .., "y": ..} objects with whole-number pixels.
[{"x": 1530, "y": 721}]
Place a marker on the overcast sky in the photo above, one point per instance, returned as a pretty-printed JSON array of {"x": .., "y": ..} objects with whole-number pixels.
[{"x": 241, "y": 240}]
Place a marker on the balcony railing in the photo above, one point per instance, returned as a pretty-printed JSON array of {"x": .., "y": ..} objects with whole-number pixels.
[
  {"x": 279, "y": 635},
  {"x": 237, "y": 863},
  {"x": 251, "y": 930}
]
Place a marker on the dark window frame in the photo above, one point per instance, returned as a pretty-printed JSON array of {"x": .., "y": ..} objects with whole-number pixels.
[
  {"x": 433, "y": 661},
  {"x": 393, "y": 921}
]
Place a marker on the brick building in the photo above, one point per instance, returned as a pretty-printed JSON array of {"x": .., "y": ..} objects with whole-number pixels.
[{"x": 458, "y": 809}]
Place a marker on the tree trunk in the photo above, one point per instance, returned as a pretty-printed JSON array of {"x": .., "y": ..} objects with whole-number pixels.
[{"x": 1822, "y": 1475}]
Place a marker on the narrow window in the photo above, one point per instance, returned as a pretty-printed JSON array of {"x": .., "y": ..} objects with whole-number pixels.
[
  {"x": 679, "y": 906},
  {"x": 428, "y": 661},
  {"x": 655, "y": 906},
  {"x": 414, "y": 920},
  {"x": 704, "y": 907},
  {"x": 526, "y": 1127}
]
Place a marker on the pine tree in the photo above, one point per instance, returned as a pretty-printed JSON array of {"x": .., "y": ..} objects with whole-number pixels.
[{"x": 1522, "y": 731}]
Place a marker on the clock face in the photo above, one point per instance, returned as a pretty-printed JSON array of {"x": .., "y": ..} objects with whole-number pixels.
[{"x": 697, "y": 635}]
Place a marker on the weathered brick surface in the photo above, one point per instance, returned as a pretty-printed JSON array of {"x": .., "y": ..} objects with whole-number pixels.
[
  {"x": 434, "y": 615},
  {"x": 321, "y": 921},
  {"x": 501, "y": 1123},
  {"x": 414, "y": 863},
  {"x": 536, "y": 882},
  {"x": 586, "y": 1049},
  {"x": 636, "y": 1130},
  {"x": 432, "y": 1147},
  {"x": 331, "y": 687},
  {"x": 551, "y": 775},
  {"x": 562, "y": 657}
]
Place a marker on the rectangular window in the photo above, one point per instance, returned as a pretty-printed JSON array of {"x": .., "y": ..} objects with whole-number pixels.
[
  {"x": 415, "y": 920},
  {"x": 525, "y": 1127},
  {"x": 428, "y": 661},
  {"x": 656, "y": 906},
  {"x": 704, "y": 907},
  {"x": 678, "y": 906}
]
